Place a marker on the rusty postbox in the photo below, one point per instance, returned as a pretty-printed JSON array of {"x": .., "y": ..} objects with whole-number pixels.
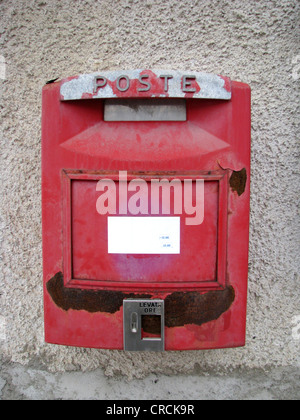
[{"x": 145, "y": 201}]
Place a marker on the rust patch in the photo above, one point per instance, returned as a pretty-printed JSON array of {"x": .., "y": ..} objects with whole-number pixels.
[
  {"x": 180, "y": 308},
  {"x": 195, "y": 308},
  {"x": 87, "y": 300},
  {"x": 238, "y": 181}
]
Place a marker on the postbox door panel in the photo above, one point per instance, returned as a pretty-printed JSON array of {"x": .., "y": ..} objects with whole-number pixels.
[
  {"x": 93, "y": 261},
  {"x": 140, "y": 263}
]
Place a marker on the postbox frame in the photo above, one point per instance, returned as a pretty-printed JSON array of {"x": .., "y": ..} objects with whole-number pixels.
[{"x": 221, "y": 176}]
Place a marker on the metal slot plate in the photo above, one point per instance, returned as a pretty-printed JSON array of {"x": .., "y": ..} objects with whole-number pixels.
[
  {"x": 133, "y": 311},
  {"x": 155, "y": 109}
]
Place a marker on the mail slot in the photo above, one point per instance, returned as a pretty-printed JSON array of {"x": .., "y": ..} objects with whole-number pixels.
[{"x": 145, "y": 202}]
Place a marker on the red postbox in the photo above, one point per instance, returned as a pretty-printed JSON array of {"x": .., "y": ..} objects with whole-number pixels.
[{"x": 145, "y": 199}]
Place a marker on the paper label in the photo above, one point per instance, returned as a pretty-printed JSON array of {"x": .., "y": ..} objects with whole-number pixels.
[{"x": 143, "y": 235}]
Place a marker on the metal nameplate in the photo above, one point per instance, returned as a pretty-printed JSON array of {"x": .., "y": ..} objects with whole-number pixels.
[
  {"x": 134, "y": 312},
  {"x": 146, "y": 84}
]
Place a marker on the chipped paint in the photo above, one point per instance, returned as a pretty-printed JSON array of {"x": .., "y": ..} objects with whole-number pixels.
[
  {"x": 205, "y": 86},
  {"x": 181, "y": 308},
  {"x": 86, "y": 299},
  {"x": 195, "y": 308},
  {"x": 238, "y": 181}
]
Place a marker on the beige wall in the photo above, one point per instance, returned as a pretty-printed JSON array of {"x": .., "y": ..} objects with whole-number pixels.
[{"x": 256, "y": 42}]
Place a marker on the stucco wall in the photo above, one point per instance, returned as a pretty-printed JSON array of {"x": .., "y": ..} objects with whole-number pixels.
[{"x": 256, "y": 42}]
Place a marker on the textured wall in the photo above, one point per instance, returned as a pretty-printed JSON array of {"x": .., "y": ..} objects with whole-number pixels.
[{"x": 256, "y": 42}]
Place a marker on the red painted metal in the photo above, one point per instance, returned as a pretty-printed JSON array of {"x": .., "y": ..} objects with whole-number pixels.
[{"x": 79, "y": 149}]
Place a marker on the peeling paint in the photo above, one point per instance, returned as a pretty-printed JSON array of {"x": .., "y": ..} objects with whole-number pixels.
[
  {"x": 195, "y": 308},
  {"x": 208, "y": 86},
  {"x": 181, "y": 308},
  {"x": 86, "y": 299},
  {"x": 238, "y": 181}
]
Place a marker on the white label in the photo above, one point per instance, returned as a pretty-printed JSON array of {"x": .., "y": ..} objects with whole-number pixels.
[{"x": 143, "y": 235}]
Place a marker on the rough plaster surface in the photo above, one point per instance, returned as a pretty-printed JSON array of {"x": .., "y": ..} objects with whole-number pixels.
[
  {"x": 256, "y": 42},
  {"x": 18, "y": 382}
]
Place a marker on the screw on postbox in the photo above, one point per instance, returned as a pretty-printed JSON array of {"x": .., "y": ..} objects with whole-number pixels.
[{"x": 145, "y": 201}]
